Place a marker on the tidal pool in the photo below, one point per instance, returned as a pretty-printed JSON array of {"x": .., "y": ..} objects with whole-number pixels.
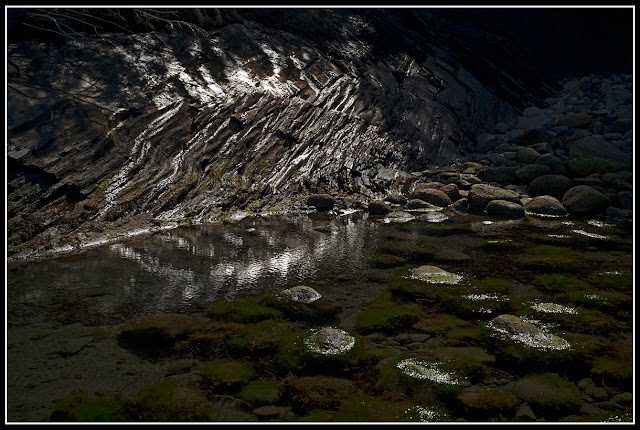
[{"x": 68, "y": 318}]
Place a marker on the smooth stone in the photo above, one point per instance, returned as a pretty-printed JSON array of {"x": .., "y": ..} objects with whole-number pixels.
[
  {"x": 550, "y": 185},
  {"x": 322, "y": 202},
  {"x": 378, "y": 207},
  {"x": 301, "y": 293},
  {"x": 545, "y": 205},
  {"x": 584, "y": 200},
  {"x": 505, "y": 209}
]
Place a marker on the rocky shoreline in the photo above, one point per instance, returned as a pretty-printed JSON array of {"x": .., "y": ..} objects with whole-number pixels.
[{"x": 571, "y": 157}]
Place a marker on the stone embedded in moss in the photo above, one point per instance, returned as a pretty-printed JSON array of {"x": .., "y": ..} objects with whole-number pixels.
[
  {"x": 614, "y": 372},
  {"x": 241, "y": 310},
  {"x": 435, "y": 275},
  {"x": 547, "y": 393},
  {"x": 551, "y": 259},
  {"x": 526, "y": 333},
  {"x": 170, "y": 402},
  {"x": 260, "y": 393},
  {"x": 390, "y": 318},
  {"x": 329, "y": 341},
  {"x": 306, "y": 393},
  {"x": 482, "y": 403},
  {"x": 79, "y": 406},
  {"x": 322, "y": 310},
  {"x": 226, "y": 374}
]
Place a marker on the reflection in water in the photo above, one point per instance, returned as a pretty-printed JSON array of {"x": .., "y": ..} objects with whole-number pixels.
[{"x": 171, "y": 270}]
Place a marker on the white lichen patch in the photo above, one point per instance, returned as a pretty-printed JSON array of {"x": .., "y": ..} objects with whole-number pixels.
[
  {"x": 435, "y": 275},
  {"x": 423, "y": 414},
  {"x": 421, "y": 369},
  {"x": 399, "y": 216},
  {"x": 553, "y": 308},
  {"x": 479, "y": 297},
  {"x": 329, "y": 341},
  {"x": 593, "y": 235},
  {"x": 558, "y": 236},
  {"x": 598, "y": 223}
]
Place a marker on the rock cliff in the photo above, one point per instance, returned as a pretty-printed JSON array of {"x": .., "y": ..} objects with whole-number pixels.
[{"x": 250, "y": 111}]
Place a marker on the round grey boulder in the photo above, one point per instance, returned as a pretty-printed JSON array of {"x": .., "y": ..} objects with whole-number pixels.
[
  {"x": 481, "y": 194},
  {"x": 527, "y": 155},
  {"x": 545, "y": 206},
  {"x": 528, "y": 173},
  {"x": 431, "y": 195},
  {"x": 505, "y": 209},
  {"x": 585, "y": 200}
]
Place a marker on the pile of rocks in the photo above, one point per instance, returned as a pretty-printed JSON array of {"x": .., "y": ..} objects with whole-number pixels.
[{"x": 574, "y": 156}]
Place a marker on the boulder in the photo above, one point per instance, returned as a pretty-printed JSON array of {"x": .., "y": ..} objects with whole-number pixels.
[
  {"x": 378, "y": 207},
  {"x": 500, "y": 175},
  {"x": 545, "y": 205},
  {"x": 481, "y": 194},
  {"x": 550, "y": 185},
  {"x": 575, "y": 120},
  {"x": 396, "y": 199},
  {"x": 526, "y": 155},
  {"x": 585, "y": 200},
  {"x": 452, "y": 191},
  {"x": 505, "y": 209},
  {"x": 534, "y": 136},
  {"x": 551, "y": 160},
  {"x": 593, "y": 154},
  {"x": 322, "y": 202},
  {"x": 542, "y": 148},
  {"x": 419, "y": 204},
  {"x": 528, "y": 173},
  {"x": 433, "y": 196}
]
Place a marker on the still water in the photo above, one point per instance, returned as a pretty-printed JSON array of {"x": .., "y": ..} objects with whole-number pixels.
[{"x": 64, "y": 312}]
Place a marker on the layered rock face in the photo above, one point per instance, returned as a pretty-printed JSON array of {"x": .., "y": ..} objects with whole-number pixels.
[{"x": 175, "y": 124}]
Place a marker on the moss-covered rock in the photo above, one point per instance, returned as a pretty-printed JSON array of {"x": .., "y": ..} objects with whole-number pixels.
[
  {"x": 387, "y": 318},
  {"x": 260, "y": 393},
  {"x": 547, "y": 393},
  {"x": 363, "y": 408},
  {"x": 314, "y": 392},
  {"x": 482, "y": 403},
  {"x": 614, "y": 372},
  {"x": 408, "y": 249},
  {"x": 170, "y": 402},
  {"x": 241, "y": 310},
  {"x": 261, "y": 338},
  {"x": 225, "y": 375},
  {"x": 549, "y": 258},
  {"x": 79, "y": 406},
  {"x": 326, "y": 350}
]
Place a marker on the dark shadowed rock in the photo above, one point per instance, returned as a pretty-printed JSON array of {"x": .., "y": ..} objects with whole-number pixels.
[
  {"x": 623, "y": 200},
  {"x": 460, "y": 206},
  {"x": 550, "y": 185},
  {"x": 593, "y": 154},
  {"x": 575, "y": 120},
  {"x": 505, "y": 209},
  {"x": 528, "y": 173},
  {"x": 420, "y": 204},
  {"x": 535, "y": 136},
  {"x": 545, "y": 205},
  {"x": 396, "y": 199},
  {"x": 452, "y": 191},
  {"x": 322, "y": 202},
  {"x": 500, "y": 175},
  {"x": 556, "y": 164},
  {"x": 585, "y": 200},
  {"x": 481, "y": 194},
  {"x": 378, "y": 207},
  {"x": 526, "y": 155}
]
